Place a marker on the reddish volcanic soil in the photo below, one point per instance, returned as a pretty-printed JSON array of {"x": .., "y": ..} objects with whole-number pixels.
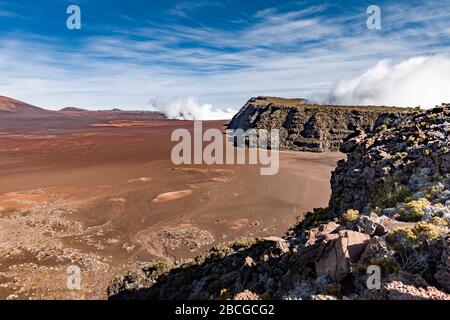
[{"x": 105, "y": 197}]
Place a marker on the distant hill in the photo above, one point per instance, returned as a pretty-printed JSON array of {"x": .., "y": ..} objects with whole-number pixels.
[
  {"x": 72, "y": 109},
  {"x": 18, "y": 117},
  {"x": 15, "y": 106}
]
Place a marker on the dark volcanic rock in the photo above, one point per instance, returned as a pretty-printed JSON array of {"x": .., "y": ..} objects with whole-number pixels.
[
  {"x": 393, "y": 162},
  {"x": 310, "y": 127}
]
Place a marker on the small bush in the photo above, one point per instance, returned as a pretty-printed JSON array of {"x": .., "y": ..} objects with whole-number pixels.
[
  {"x": 387, "y": 265},
  {"x": 414, "y": 210},
  {"x": 390, "y": 192},
  {"x": 438, "y": 221},
  {"x": 414, "y": 236},
  {"x": 350, "y": 215},
  {"x": 313, "y": 218}
]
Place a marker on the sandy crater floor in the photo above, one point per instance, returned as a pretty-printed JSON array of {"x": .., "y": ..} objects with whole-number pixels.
[{"x": 108, "y": 197}]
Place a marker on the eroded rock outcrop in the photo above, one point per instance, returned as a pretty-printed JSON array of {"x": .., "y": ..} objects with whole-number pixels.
[{"x": 306, "y": 126}]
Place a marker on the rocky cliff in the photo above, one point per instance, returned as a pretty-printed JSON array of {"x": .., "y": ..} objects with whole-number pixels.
[
  {"x": 385, "y": 234},
  {"x": 310, "y": 127}
]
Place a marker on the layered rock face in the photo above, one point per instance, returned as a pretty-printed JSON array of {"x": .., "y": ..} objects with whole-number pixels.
[
  {"x": 384, "y": 236},
  {"x": 310, "y": 127}
]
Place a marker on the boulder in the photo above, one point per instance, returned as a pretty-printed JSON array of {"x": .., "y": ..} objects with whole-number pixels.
[
  {"x": 280, "y": 243},
  {"x": 388, "y": 224},
  {"x": 337, "y": 255},
  {"x": 355, "y": 243},
  {"x": 376, "y": 249},
  {"x": 318, "y": 233},
  {"x": 371, "y": 225},
  {"x": 334, "y": 262}
]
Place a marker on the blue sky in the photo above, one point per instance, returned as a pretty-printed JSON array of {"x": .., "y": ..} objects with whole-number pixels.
[{"x": 140, "y": 54}]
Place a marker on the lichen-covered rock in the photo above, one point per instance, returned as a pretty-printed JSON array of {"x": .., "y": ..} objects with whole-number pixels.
[{"x": 323, "y": 297}]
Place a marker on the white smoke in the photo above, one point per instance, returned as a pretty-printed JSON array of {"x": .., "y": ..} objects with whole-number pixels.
[
  {"x": 423, "y": 81},
  {"x": 191, "y": 109}
]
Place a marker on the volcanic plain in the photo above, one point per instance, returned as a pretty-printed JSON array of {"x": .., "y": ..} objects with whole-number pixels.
[{"x": 98, "y": 190}]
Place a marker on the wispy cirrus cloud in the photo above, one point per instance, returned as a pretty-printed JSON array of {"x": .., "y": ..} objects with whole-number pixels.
[{"x": 4, "y": 13}]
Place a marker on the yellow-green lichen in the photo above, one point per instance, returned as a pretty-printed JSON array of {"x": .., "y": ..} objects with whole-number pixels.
[{"x": 413, "y": 210}]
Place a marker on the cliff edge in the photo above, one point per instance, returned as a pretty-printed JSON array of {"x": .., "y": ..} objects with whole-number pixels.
[{"x": 312, "y": 127}]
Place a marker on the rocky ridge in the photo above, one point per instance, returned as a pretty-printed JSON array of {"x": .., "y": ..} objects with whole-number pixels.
[
  {"x": 389, "y": 212},
  {"x": 305, "y": 126}
]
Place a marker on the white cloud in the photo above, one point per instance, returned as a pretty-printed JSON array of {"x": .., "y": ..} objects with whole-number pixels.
[
  {"x": 191, "y": 109},
  {"x": 423, "y": 80}
]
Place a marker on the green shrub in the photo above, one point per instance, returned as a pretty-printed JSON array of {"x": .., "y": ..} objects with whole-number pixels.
[
  {"x": 389, "y": 192},
  {"x": 414, "y": 236},
  {"x": 414, "y": 210}
]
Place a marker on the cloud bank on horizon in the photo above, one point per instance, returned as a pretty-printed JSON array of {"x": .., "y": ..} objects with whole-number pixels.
[
  {"x": 419, "y": 81},
  {"x": 208, "y": 57}
]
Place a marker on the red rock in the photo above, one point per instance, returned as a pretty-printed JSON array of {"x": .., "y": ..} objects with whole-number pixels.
[
  {"x": 248, "y": 262},
  {"x": 375, "y": 249},
  {"x": 355, "y": 242},
  {"x": 334, "y": 262},
  {"x": 246, "y": 295},
  {"x": 280, "y": 243},
  {"x": 337, "y": 255},
  {"x": 390, "y": 224},
  {"x": 321, "y": 231}
]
